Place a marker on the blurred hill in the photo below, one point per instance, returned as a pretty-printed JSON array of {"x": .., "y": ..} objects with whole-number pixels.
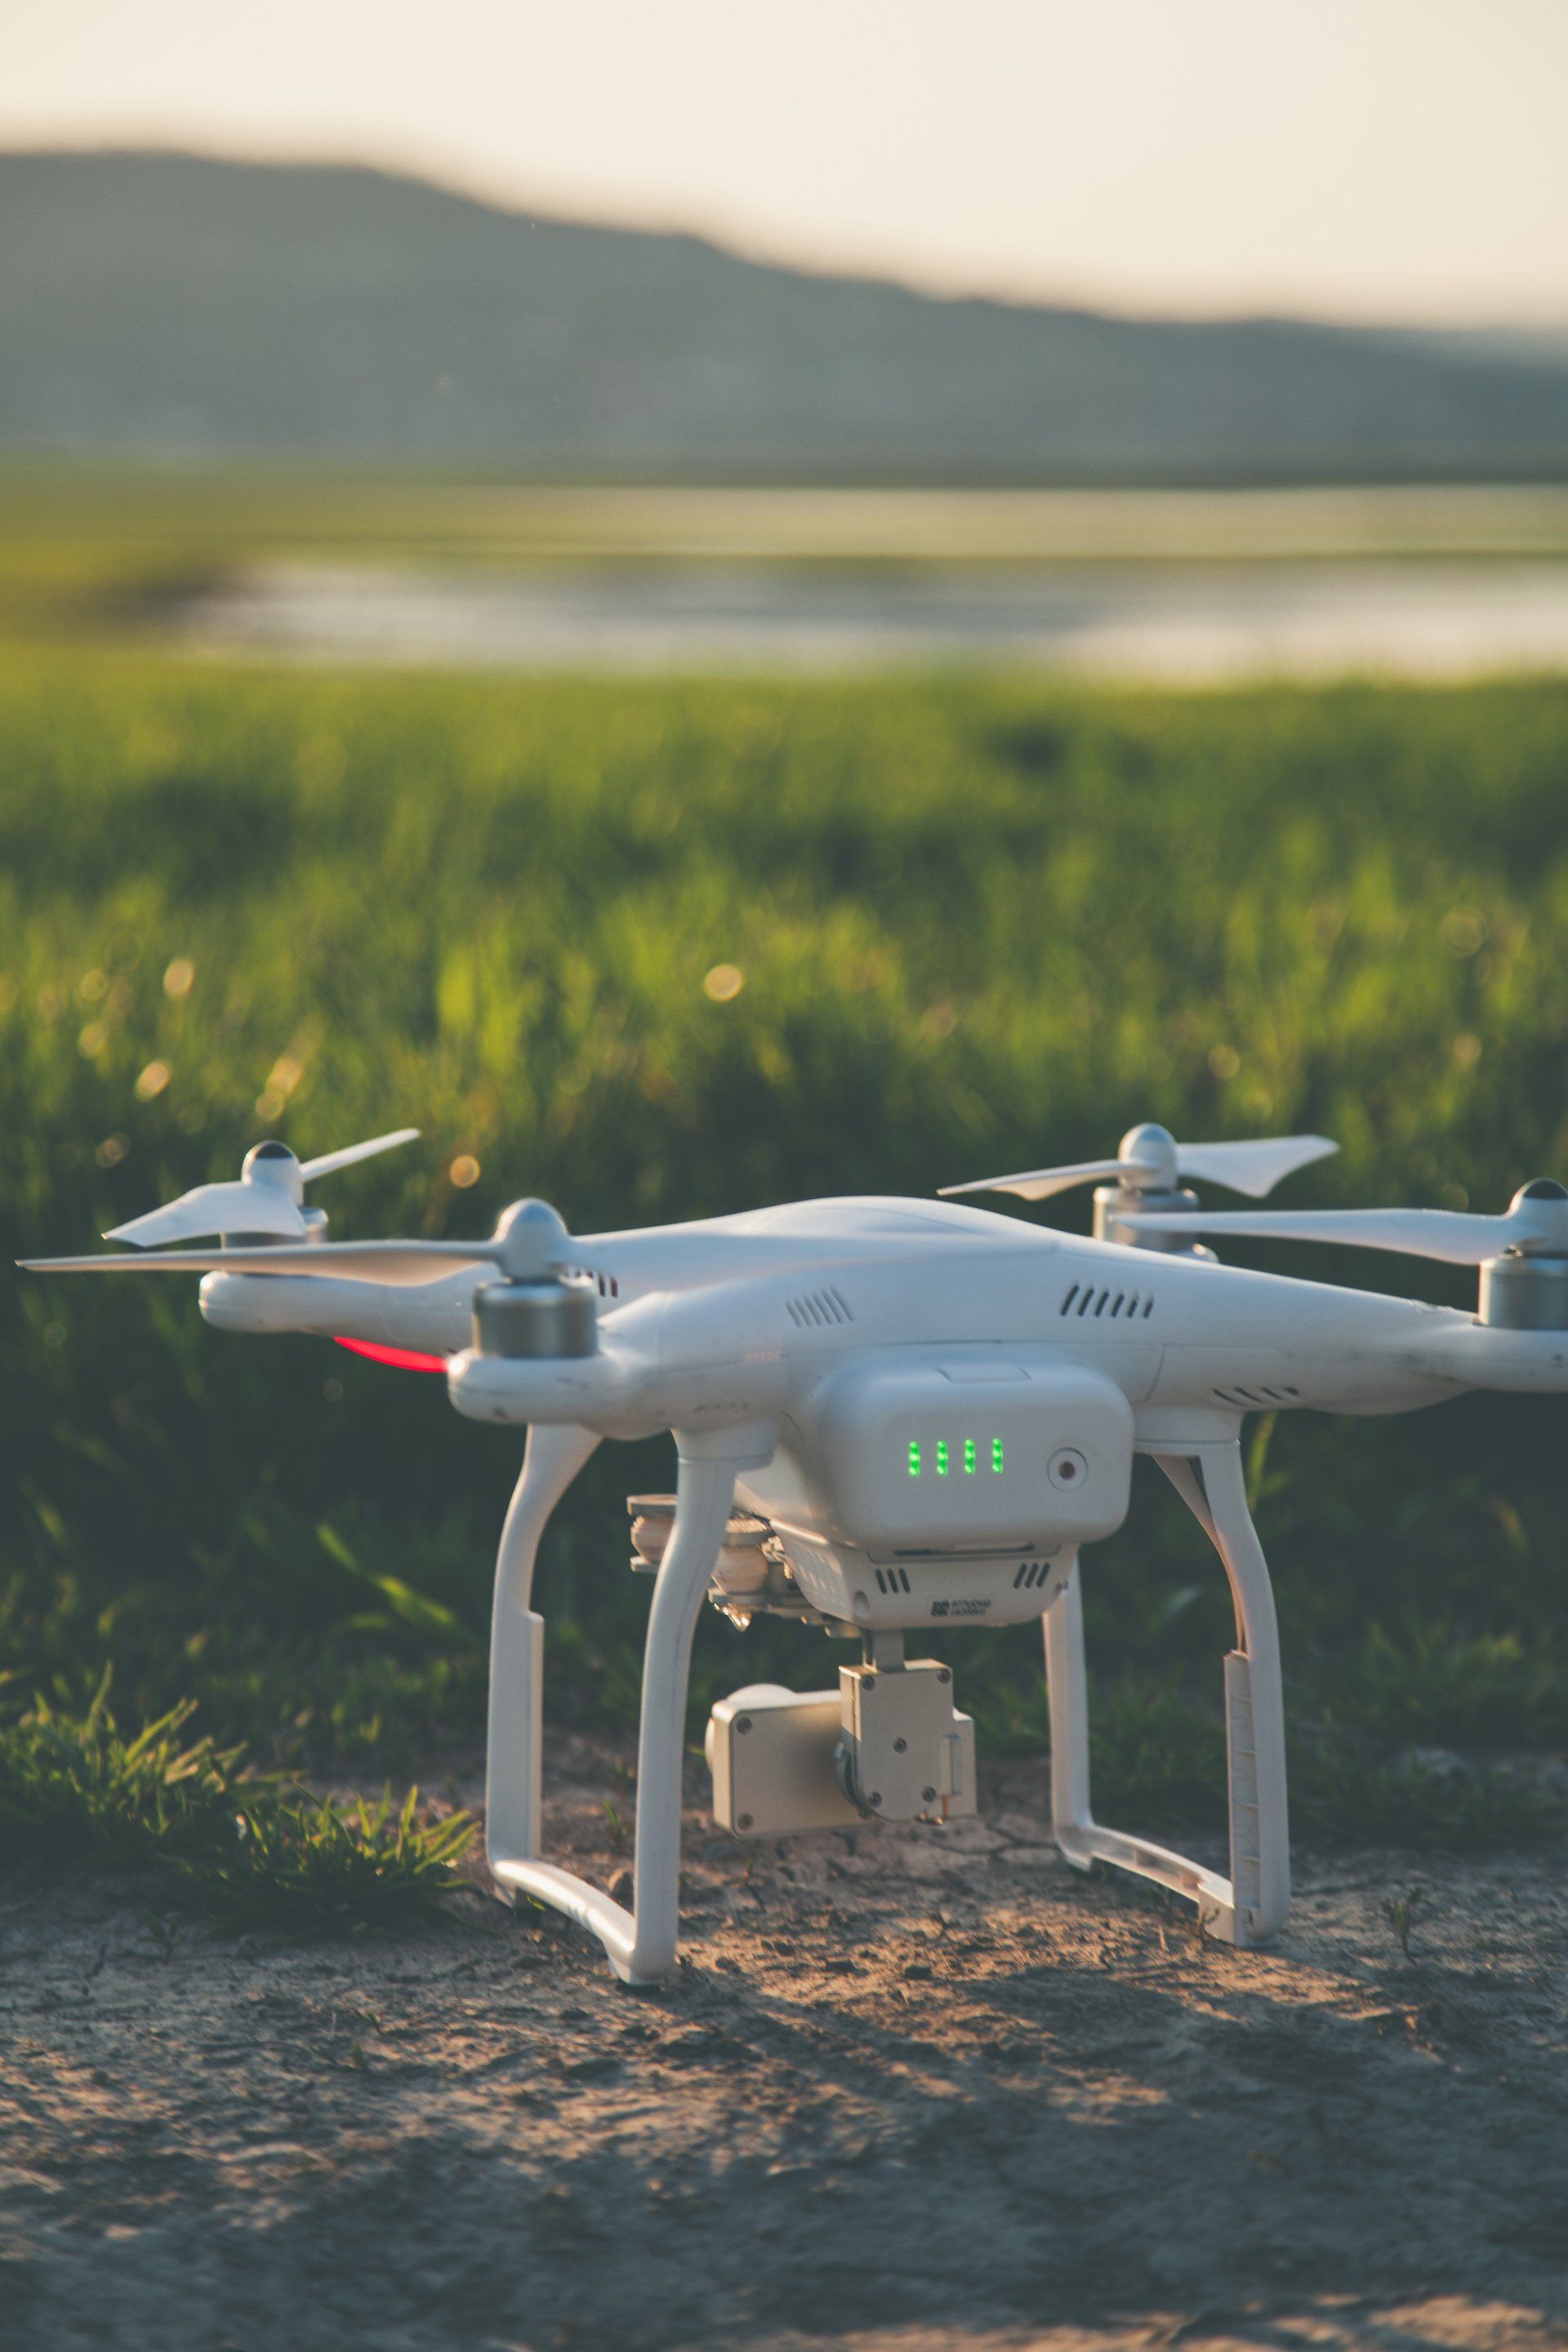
[{"x": 173, "y": 305}]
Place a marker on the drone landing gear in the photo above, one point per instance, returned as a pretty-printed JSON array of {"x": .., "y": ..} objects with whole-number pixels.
[
  {"x": 1248, "y": 1908},
  {"x": 640, "y": 1942}
]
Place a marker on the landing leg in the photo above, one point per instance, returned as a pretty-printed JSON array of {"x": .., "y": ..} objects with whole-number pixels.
[
  {"x": 513, "y": 1764},
  {"x": 641, "y": 1943},
  {"x": 1250, "y": 1906},
  {"x": 1253, "y": 1692}
]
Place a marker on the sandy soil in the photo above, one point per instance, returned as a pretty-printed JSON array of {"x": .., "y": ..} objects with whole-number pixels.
[{"x": 907, "y": 2091}]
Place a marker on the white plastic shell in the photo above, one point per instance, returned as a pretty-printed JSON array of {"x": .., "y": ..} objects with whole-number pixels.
[{"x": 948, "y": 1589}]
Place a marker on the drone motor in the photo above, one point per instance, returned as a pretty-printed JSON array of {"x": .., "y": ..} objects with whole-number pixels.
[{"x": 538, "y": 1308}]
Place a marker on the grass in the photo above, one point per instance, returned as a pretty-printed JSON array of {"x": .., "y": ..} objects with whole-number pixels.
[
  {"x": 977, "y": 924},
  {"x": 245, "y": 1847}
]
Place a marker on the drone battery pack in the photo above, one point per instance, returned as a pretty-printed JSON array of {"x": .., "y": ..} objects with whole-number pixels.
[{"x": 972, "y": 1454}]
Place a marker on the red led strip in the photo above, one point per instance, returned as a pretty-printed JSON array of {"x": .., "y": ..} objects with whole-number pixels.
[{"x": 404, "y": 1360}]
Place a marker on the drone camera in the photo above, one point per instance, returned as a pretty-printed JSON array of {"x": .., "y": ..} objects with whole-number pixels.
[
  {"x": 773, "y": 1754},
  {"x": 887, "y": 1745}
]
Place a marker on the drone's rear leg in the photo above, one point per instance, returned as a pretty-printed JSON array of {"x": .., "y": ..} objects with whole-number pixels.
[
  {"x": 1215, "y": 1491},
  {"x": 1250, "y": 1907},
  {"x": 1081, "y": 1838},
  {"x": 1066, "y": 1692}
]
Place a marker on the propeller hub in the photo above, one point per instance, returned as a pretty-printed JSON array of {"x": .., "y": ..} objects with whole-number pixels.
[
  {"x": 532, "y": 1310},
  {"x": 1148, "y": 1157},
  {"x": 534, "y": 1242},
  {"x": 1539, "y": 1215},
  {"x": 273, "y": 1163}
]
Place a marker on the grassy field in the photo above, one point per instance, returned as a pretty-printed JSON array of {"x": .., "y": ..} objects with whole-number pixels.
[{"x": 977, "y": 926}]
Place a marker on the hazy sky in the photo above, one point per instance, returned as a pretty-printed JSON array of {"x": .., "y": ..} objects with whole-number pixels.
[{"x": 1373, "y": 158}]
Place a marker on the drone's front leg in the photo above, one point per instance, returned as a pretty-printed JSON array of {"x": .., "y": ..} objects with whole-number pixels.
[
  {"x": 641, "y": 1943},
  {"x": 705, "y": 1491},
  {"x": 514, "y": 1761}
]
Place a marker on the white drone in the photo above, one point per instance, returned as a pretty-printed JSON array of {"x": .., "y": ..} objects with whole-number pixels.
[{"x": 887, "y": 1414}]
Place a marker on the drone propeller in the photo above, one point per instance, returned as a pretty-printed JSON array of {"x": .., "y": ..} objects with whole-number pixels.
[
  {"x": 1536, "y": 1224},
  {"x": 1148, "y": 1158},
  {"x": 529, "y": 1243},
  {"x": 267, "y": 1199}
]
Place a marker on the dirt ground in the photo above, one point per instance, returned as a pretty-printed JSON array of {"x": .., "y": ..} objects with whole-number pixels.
[{"x": 907, "y": 2091}]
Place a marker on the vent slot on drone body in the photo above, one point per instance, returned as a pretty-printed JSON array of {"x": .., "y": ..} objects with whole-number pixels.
[
  {"x": 1032, "y": 1572},
  {"x": 1258, "y": 1396},
  {"x": 605, "y": 1284},
  {"x": 893, "y": 1580},
  {"x": 816, "y": 1308},
  {"x": 1129, "y": 1305}
]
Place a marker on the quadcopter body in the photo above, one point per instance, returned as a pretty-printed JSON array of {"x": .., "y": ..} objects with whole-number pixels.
[{"x": 890, "y": 1416}]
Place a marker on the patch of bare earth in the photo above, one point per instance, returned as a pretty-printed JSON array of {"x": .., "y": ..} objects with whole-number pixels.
[{"x": 909, "y": 2090}]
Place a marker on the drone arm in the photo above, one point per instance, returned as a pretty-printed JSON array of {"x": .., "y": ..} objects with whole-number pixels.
[{"x": 1475, "y": 1354}]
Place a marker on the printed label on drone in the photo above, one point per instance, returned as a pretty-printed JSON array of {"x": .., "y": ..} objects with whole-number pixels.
[{"x": 959, "y": 1608}]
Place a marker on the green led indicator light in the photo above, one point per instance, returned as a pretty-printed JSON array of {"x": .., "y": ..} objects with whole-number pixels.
[{"x": 944, "y": 1456}]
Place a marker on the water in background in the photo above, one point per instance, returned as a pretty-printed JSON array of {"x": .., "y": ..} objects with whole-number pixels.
[{"x": 1172, "y": 622}]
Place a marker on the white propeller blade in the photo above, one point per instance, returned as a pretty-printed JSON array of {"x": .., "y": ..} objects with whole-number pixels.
[
  {"x": 1150, "y": 1157},
  {"x": 1038, "y": 1183},
  {"x": 403, "y": 1264},
  {"x": 529, "y": 1243},
  {"x": 1443, "y": 1233},
  {"x": 237, "y": 1208},
  {"x": 1253, "y": 1167},
  {"x": 326, "y": 1161},
  {"x": 264, "y": 1199}
]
